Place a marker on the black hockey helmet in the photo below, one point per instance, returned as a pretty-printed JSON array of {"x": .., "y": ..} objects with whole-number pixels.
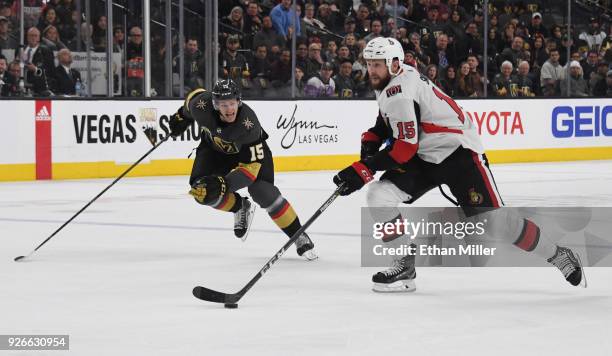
[{"x": 226, "y": 89}]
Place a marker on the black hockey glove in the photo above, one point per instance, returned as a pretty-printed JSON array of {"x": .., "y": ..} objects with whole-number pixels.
[
  {"x": 354, "y": 177},
  {"x": 209, "y": 190},
  {"x": 179, "y": 123},
  {"x": 370, "y": 144},
  {"x": 369, "y": 149}
]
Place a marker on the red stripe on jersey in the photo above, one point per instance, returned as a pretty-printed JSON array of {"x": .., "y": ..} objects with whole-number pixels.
[
  {"x": 282, "y": 211},
  {"x": 403, "y": 151},
  {"x": 528, "y": 240},
  {"x": 485, "y": 179},
  {"x": 247, "y": 174},
  {"x": 369, "y": 137},
  {"x": 432, "y": 128}
]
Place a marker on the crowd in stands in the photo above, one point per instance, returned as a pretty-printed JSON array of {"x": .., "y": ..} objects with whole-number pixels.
[{"x": 526, "y": 49}]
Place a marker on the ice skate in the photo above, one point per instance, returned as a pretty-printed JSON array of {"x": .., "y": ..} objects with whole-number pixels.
[
  {"x": 398, "y": 278},
  {"x": 243, "y": 219},
  {"x": 305, "y": 247},
  {"x": 570, "y": 265}
]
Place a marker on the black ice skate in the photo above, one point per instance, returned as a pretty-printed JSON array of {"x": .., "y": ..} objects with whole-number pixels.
[
  {"x": 398, "y": 278},
  {"x": 243, "y": 219},
  {"x": 305, "y": 247},
  {"x": 570, "y": 265}
]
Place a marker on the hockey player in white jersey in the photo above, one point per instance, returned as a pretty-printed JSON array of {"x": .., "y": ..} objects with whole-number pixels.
[{"x": 432, "y": 141}]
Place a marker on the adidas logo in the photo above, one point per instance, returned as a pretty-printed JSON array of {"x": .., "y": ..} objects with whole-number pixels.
[{"x": 43, "y": 114}]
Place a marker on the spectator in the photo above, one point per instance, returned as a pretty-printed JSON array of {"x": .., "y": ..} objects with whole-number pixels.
[
  {"x": 376, "y": 27},
  {"x": 402, "y": 11},
  {"x": 252, "y": 23},
  {"x": 66, "y": 77},
  {"x": 539, "y": 54},
  {"x": 578, "y": 86},
  {"x": 441, "y": 56},
  {"x": 453, "y": 5},
  {"x": 594, "y": 36},
  {"x": 525, "y": 81},
  {"x": 551, "y": 74},
  {"x": 321, "y": 85},
  {"x": 536, "y": 27},
  {"x": 493, "y": 44},
  {"x": 455, "y": 26},
  {"x": 47, "y": 18},
  {"x": 301, "y": 57},
  {"x": 135, "y": 63},
  {"x": 232, "y": 62},
  {"x": 331, "y": 53},
  {"x": 64, "y": 11},
  {"x": 475, "y": 78},
  {"x": 38, "y": 62},
  {"x": 310, "y": 20},
  {"x": 233, "y": 24},
  {"x": 507, "y": 36},
  {"x": 51, "y": 39},
  {"x": 473, "y": 40},
  {"x": 589, "y": 65},
  {"x": 464, "y": 84},
  {"x": 443, "y": 12},
  {"x": 299, "y": 81},
  {"x": 7, "y": 12},
  {"x": 349, "y": 26},
  {"x": 345, "y": 85},
  {"x": 194, "y": 65},
  {"x": 280, "y": 72},
  {"x": 597, "y": 83},
  {"x": 433, "y": 22},
  {"x": 421, "y": 55},
  {"x": 432, "y": 74},
  {"x": 556, "y": 34},
  {"x": 514, "y": 53},
  {"x": 449, "y": 83},
  {"x": 118, "y": 39},
  {"x": 390, "y": 27},
  {"x": 68, "y": 30},
  {"x": 267, "y": 36},
  {"x": 8, "y": 82},
  {"x": 261, "y": 67},
  {"x": 362, "y": 20},
  {"x": 98, "y": 36},
  {"x": 314, "y": 62},
  {"x": 7, "y": 40},
  {"x": 504, "y": 83},
  {"x": 283, "y": 19},
  {"x": 351, "y": 42},
  {"x": 329, "y": 17},
  {"x": 344, "y": 53}
]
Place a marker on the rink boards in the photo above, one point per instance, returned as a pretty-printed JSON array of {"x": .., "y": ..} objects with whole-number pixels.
[{"x": 62, "y": 139}]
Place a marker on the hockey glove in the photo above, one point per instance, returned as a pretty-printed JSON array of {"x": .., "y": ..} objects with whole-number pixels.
[
  {"x": 179, "y": 123},
  {"x": 370, "y": 144},
  {"x": 354, "y": 176},
  {"x": 209, "y": 190}
]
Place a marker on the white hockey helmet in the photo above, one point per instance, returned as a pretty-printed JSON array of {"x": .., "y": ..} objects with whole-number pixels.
[{"x": 386, "y": 48}]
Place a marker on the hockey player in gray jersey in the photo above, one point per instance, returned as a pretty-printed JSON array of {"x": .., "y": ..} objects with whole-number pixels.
[{"x": 433, "y": 142}]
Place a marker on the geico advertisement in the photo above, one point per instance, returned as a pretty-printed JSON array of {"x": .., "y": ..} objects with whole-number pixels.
[{"x": 582, "y": 121}]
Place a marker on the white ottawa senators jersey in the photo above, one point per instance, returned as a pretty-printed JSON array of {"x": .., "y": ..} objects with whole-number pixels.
[{"x": 411, "y": 101}]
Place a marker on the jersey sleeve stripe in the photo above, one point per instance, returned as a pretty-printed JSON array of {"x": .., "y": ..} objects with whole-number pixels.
[
  {"x": 433, "y": 128},
  {"x": 402, "y": 151}
]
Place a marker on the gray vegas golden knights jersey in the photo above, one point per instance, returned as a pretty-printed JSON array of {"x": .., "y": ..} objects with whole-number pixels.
[
  {"x": 226, "y": 138},
  {"x": 411, "y": 101}
]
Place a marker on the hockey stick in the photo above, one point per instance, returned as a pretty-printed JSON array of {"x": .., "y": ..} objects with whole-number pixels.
[
  {"x": 210, "y": 295},
  {"x": 20, "y": 258}
]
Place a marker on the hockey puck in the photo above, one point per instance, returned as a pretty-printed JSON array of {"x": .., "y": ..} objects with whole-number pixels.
[
  {"x": 19, "y": 258},
  {"x": 231, "y": 305}
]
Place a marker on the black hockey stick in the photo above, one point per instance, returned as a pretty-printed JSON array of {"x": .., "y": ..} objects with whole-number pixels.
[
  {"x": 219, "y": 297},
  {"x": 19, "y": 258}
]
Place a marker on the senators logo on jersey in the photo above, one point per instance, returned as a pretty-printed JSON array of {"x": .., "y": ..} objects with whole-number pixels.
[{"x": 394, "y": 90}]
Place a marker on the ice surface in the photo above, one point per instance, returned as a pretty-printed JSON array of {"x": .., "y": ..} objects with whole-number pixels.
[{"x": 119, "y": 278}]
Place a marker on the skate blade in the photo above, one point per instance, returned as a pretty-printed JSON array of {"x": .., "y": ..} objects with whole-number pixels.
[
  {"x": 583, "y": 281},
  {"x": 252, "y": 211},
  {"x": 403, "y": 286},
  {"x": 310, "y": 255}
]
